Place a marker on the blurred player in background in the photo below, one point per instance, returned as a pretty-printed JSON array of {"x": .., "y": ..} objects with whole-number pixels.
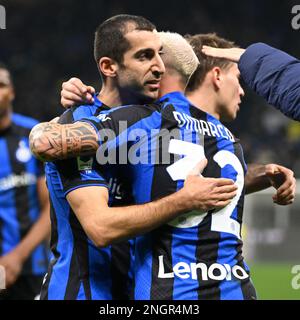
[{"x": 24, "y": 203}]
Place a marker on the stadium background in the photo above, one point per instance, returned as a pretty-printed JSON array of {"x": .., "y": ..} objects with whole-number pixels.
[{"x": 48, "y": 41}]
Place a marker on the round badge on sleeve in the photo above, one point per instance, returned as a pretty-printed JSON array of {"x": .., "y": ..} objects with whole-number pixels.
[{"x": 23, "y": 153}]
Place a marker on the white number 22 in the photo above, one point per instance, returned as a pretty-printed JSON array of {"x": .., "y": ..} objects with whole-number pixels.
[{"x": 221, "y": 220}]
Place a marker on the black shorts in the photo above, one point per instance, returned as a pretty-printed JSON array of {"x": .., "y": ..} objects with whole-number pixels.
[{"x": 25, "y": 288}]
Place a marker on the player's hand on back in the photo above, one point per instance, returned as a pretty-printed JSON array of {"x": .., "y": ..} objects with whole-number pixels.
[
  {"x": 208, "y": 193},
  {"x": 232, "y": 54},
  {"x": 283, "y": 180},
  {"x": 75, "y": 92}
]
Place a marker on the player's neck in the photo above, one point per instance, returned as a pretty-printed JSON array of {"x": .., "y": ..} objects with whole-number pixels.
[
  {"x": 204, "y": 99},
  {"x": 110, "y": 96},
  {"x": 5, "y": 118},
  {"x": 170, "y": 83},
  {"x": 113, "y": 96}
]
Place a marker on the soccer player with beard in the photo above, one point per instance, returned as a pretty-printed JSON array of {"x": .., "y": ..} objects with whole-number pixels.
[
  {"x": 168, "y": 261},
  {"x": 127, "y": 51}
]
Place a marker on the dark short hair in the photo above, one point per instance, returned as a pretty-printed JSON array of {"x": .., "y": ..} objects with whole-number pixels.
[
  {"x": 206, "y": 63},
  {"x": 110, "y": 38}
]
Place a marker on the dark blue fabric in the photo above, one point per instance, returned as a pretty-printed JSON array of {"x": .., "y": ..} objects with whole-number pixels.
[
  {"x": 170, "y": 246},
  {"x": 274, "y": 75},
  {"x": 19, "y": 203},
  {"x": 79, "y": 270}
]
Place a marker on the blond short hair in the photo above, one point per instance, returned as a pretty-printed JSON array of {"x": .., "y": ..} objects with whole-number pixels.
[{"x": 179, "y": 54}]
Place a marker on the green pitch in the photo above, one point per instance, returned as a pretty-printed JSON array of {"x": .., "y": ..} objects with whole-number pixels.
[{"x": 273, "y": 281}]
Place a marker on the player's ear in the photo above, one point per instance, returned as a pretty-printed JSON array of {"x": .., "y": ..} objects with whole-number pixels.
[
  {"x": 108, "y": 67},
  {"x": 12, "y": 94},
  {"x": 216, "y": 74}
]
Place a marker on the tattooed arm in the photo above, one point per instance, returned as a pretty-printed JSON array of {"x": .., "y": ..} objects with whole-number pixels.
[{"x": 54, "y": 141}]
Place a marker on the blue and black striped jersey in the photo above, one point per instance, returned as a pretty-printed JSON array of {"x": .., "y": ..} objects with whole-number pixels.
[
  {"x": 19, "y": 203},
  {"x": 80, "y": 270},
  {"x": 199, "y": 254}
]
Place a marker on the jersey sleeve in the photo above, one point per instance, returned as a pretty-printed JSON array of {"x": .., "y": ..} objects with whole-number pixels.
[
  {"x": 274, "y": 75},
  {"x": 80, "y": 172}
]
